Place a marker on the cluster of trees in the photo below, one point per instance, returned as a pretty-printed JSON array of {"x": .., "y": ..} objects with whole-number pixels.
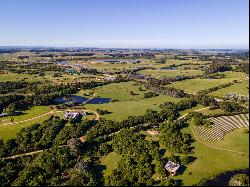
[
  {"x": 102, "y": 112},
  {"x": 32, "y": 138},
  {"x": 173, "y": 139},
  {"x": 135, "y": 167},
  {"x": 213, "y": 76},
  {"x": 180, "y": 106},
  {"x": 33, "y": 68},
  {"x": 236, "y": 97},
  {"x": 206, "y": 100},
  {"x": 150, "y": 94},
  {"x": 168, "y": 80},
  {"x": 10, "y": 100},
  {"x": 217, "y": 67},
  {"x": 105, "y": 127},
  {"x": 231, "y": 107},
  {"x": 197, "y": 119},
  {"x": 41, "y": 94},
  {"x": 61, "y": 164},
  {"x": 89, "y": 71},
  {"x": 11, "y": 86},
  {"x": 161, "y": 61},
  {"x": 244, "y": 67},
  {"x": 207, "y": 91},
  {"x": 49, "y": 133},
  {"x": 239, "y": 180},
  {"x": 173, "y": 92}
]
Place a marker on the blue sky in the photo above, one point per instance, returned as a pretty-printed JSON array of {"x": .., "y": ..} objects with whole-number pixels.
[{"x": 125, "y": 23}]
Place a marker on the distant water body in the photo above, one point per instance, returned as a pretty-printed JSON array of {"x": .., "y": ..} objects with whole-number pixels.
[
  {"x": 80, "y": 99},
  {"x": 168, "y": 68}
]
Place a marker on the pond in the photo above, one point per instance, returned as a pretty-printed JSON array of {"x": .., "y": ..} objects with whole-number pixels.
[
  {"x": 99, "y": 100},
  {"x": 117, "y": 60},
  {"x": 80, "y": 99},
  {"x": 63, "y": 63},
  {"x": 168, "y": 68}
]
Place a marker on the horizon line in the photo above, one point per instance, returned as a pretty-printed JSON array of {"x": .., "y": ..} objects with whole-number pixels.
[{"x": 50, "y": 46}]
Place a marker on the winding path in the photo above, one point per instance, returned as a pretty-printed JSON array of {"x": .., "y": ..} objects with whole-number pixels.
[{"x": 26, "y": 120}]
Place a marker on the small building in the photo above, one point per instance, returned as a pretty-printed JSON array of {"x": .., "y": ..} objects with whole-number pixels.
[
  {"x": 110, "y": 78},
  {"x": 172, "y": 167},
  {"x": 153, "y": 132},
  {"x": 73, "y": 115}
]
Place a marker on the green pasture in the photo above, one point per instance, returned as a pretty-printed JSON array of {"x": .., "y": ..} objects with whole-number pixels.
[
  {"x": 123, "y": 109},
  {"x": 120, "y": 91},
  {"x": 241, "y": 88},
  {"x": 170, "y": 73},
  {"x": 8, "y": 76},
  {"x": 210, "y": 161},
  {"x": 195, "y": 85}
]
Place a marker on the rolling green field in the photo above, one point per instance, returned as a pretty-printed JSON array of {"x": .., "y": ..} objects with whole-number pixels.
[
  {"x": 120, "y": 91},
  {"x": 238, "y": 88},
  {"x": 210, "y": 161},
  {"x": 18, "y": 77},
  {"x": 123, "y": 109},
  {"x": 195, "y": 85},
  {"x": 170, "y": 73}
]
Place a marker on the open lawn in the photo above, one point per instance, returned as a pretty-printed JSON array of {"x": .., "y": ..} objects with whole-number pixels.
[{"x": 110, "y": 162}]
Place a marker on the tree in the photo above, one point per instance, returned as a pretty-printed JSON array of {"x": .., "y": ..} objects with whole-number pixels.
[
  {"x": 131, "y": 93},
  {"x": 10, "y": 109},
  {"x": 74, "y": 146},
  {"x": 184, "y": 159},
  {"x": 239, "y": 180}
]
